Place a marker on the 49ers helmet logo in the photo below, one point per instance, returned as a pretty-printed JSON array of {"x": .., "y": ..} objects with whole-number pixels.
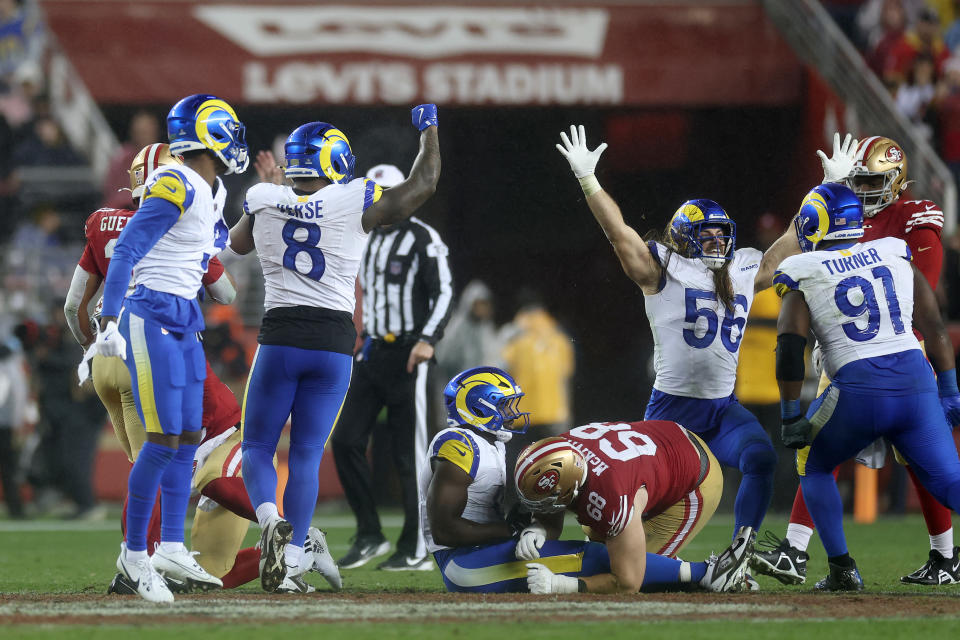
[
  {"x": 548, "y": 481},
  {"x": 894, "y": 154}
]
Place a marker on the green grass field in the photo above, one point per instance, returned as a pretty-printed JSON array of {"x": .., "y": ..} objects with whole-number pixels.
[{"x": 48, "y": 562}]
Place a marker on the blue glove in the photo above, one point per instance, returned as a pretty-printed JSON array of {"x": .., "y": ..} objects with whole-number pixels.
[
  {"x": 424, "y": 115},
  {"x": 949, "y": 396}
]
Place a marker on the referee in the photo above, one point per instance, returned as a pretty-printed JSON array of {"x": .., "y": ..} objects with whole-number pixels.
[{"x": 407, "y": 295}]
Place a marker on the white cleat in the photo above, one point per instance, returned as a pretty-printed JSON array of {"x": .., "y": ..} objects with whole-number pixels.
[
  {"x": 322, "y": 562},
  {"x": 294, "y": 583},
  {"x": 728, "y": 571},
  {"x": 181, "y": 567},
  {"x": 143, "y": 578},
  {"x": 273, "y": 569}
]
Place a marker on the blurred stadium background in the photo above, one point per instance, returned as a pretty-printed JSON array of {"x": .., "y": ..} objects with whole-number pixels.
[{"x": 726, "y": 99}]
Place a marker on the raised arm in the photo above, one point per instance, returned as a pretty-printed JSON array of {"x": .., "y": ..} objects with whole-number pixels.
[
  {"x": 784, "y": 247},
  {"x": 399, "y": 202},
  {"x": 635, "y": 257}
]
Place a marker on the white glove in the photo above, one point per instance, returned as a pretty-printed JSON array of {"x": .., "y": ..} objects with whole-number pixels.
[
  {"x": 582, "y": 161},
  {"x": 531, "y": 539},
  {"x": 816, "y": 355},
  {"x": 541, "y": 580},
  {"x": 111, "y": 343},
  {"x": 839, "y": 166}
]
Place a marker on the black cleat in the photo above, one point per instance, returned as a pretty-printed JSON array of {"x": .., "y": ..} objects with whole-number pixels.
[
  {"x": 841, "y": 579},
  {"x": 363, "y": 550},
  {"x": 780, "y": 560},
  {"x": 937, "y": 570}
]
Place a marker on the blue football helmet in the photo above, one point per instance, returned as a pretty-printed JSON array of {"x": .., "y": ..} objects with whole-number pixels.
[
  {"x": 690, "y": 218},
  {"x": 319, "y": 150},
  {"x": 206, "y": 122},
  {"x": 829, "y": 211},
  {"x": 487, "y": 399}
]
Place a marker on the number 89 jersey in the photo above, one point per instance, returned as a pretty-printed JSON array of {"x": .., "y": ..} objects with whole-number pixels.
[
  {"x": 310, "y": 245},
  {"x": 624, "y": 457},
  {"x": 696, "y": 340},
  {"x": 860, "y": 299}
]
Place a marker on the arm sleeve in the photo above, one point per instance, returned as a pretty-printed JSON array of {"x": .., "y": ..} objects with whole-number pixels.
[
  {"x": 214, "y": 271},
  {"x": 439, "y": 285},
  {"x": 927, "y": 250},
  {"x": 154, "y": 218},
  {"x": 71, "y": 306}
]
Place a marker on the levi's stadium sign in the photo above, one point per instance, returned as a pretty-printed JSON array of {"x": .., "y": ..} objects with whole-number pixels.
[{"x": 365, "y": 53}]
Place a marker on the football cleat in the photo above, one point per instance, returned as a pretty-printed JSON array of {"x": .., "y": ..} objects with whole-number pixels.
[
  {"x": 402, "y": 562},
  {"x": 937, "y": 570},
  {"x": 363, "y": 550},
  {"x": 180, "y": 569},
  {"x": 274, "y": 537},
  {"x": 121, "y": 586},
  {"x": 781, "y": 561},
  {"x": 728, "y": 571},
  {"x": 143, "y": 578},
  {"x": 321, "y": 560},
  {"x": 841, "y": 579},
  {"x": 294, "y": 583}
]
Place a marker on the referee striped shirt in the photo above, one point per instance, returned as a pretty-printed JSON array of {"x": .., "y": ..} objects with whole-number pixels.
[{"x": 406, "y": 281}]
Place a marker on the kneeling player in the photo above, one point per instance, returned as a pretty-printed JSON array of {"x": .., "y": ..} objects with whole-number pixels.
[
  {"x": 463, "y": 523},
  {"x": 635, "y": 487}
]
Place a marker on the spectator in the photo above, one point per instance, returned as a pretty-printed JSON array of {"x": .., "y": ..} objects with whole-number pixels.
[
  {"x": 952, "y": 36},
  {"x": 21, "y": 39},
  {"x": 915, "y": 95},
  {"x": 471, "y": 337},
  {"x": 923, "y": 39},
  {"x": 144, "y": 130},
  {"x": 13, "y": 405},
  {"x": 40, "y": 231},
  {"x": 540, "y": 356},
  {"x": 948, "y": 114},
  {"x": 45, "y": 145}
]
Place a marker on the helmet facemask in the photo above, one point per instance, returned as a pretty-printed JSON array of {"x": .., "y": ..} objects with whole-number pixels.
[
  {"x": 549, "y": 475},
  {"x": 487, "y": 399},
  {"x": 879, "y": 174},
  {"x": 719, "y": 249}
]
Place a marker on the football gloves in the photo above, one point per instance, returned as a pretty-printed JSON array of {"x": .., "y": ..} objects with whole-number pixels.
[
  {"x": 582, "y": 161},
  {"x": 796, "y": 432},
  {"x": 531, "y": 539},
  {"x": 111, "y": 343},
  {"x": 541, "y": 580},
  {"x": 837, "y": 167},
  {"x": 424, "y": 115}
]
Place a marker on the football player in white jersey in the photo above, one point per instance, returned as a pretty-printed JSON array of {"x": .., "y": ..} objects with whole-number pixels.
[
  {"x": 861, "y": 301},
  {"x": 309, "y": 238},
  {"x": 697, "y": 287},
  {"x": 178, "y": 228}
]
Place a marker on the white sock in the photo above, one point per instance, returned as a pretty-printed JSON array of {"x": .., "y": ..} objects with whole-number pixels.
[
  {"x": 684, "y": 572},
  {"x": 267, "y": 513},
  {"x": 136, "y": 556},
  {"x": 293, "y": 558},
  {"x": 943, "y": 542},
  {"x": 799, "y": 536},
  {"x": 172, "y": 547}
]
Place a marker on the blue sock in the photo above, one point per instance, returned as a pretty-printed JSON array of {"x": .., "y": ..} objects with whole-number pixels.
[
  {"x": 300, "y": 495},
  {"x": 661, "y": 570},
  {"x": 142, "y": 491},
  {"x": 697, "y": 571},
  {"x": 259, "y": 476},
  {"x": 175, "y": 493},
  {"x": 826, "y": 508}
]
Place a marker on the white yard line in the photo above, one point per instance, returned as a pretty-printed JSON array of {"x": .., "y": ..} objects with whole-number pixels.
[{"x": 27, "y": 526}]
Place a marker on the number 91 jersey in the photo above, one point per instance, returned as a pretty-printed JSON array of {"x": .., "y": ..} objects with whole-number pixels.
[
  {"x": 624, "y": 457},
  {"x": 696, "y": 340},
  {"x": 310, "y": 245},
  {"x": 860, "y": 299}
]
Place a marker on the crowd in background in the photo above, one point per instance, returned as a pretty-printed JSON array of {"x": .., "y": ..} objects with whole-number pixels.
[{"x": 913, "y": 46}]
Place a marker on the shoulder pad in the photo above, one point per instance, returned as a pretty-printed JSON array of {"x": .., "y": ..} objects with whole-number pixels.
[
  {"x": 170, "y": 185},
  {"x": 459, "y": 447}
]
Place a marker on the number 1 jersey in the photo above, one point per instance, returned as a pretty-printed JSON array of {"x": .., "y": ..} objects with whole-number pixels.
[
  {"x": 310, "y": 245},
  {"x": 697, "y": 341},
  {"x": 860, "y": 300}
]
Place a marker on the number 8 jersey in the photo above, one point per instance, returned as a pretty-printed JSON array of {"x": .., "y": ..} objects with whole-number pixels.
[
  {"x": 697, "y": 341},
  {"x": 860, "y": 300},
  {"x": 310, "y": 245}
]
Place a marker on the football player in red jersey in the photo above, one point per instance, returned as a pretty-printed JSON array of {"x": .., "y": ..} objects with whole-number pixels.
[
  {"x": 635, "y": 487},
  {"x": 876, "y": 169},
  {"x": 224, "y": 511}
]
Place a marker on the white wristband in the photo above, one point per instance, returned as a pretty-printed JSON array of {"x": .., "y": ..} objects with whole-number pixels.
[
  {"x": 565, "y": 584},
  {"x": 590, "y": 185}
]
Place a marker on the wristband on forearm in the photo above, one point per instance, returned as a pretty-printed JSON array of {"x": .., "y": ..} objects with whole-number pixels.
[
  {"x": 947, "y": 383},
  {"x": 789, "y": 409},
  {"x": 590, "y": 185}
]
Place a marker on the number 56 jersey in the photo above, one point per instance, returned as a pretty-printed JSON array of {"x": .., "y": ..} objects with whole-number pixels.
[
  {"x": 696, "y": 340},
  {"x": 310, "y": 245},
  {"x": 860, "y": 300}
]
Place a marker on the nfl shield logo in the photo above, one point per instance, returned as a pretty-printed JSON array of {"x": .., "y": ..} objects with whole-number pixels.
[{"x": 396, "y": 267}]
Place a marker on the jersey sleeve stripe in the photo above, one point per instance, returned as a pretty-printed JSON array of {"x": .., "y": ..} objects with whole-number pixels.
[
  {"x": 371, "y": 194},
  {"x": 783, "y": 283},
  {"x": 460, "y": 449}
]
